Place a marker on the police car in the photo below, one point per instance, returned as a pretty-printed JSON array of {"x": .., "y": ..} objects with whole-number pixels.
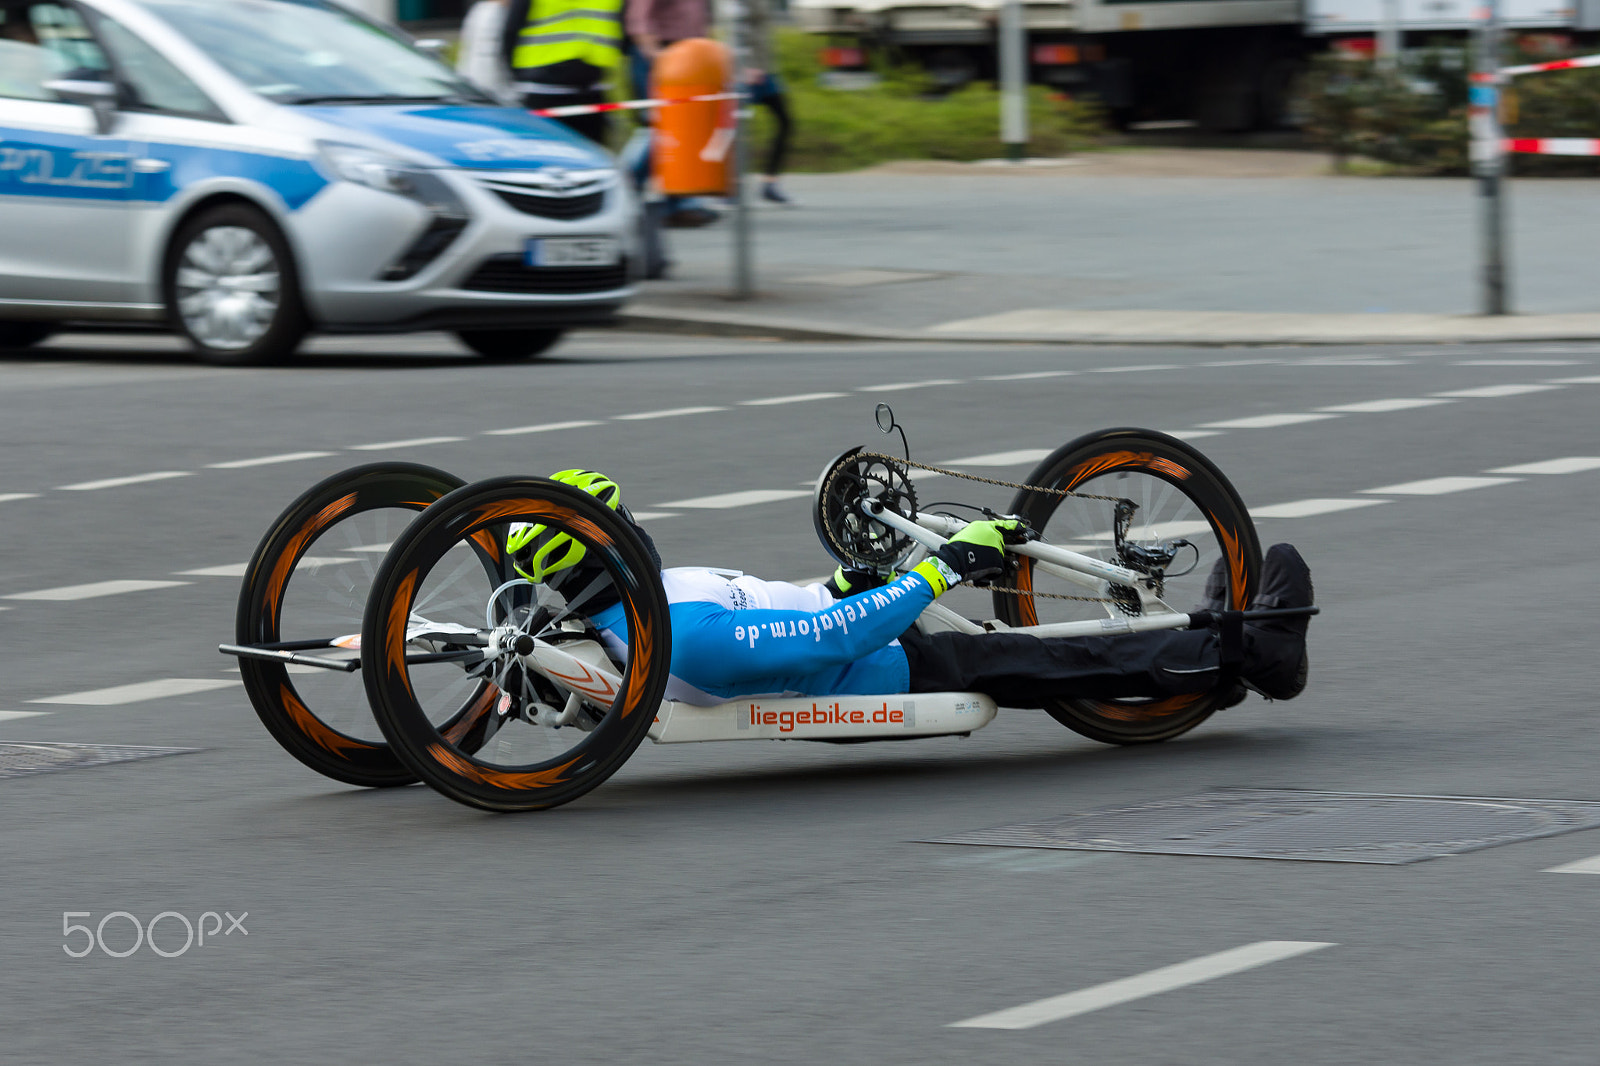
[{"x": 250, "y": 170}]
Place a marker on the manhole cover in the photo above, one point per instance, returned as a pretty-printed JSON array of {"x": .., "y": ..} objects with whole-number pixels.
[
  {"x": 1250, "y": 823},
  {"x": 19, "y": 760}
]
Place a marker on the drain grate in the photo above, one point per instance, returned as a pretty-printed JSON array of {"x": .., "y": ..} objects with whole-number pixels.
[
  {"x": 20, "y": 760},
  {"x": 1250, "y": 823}
]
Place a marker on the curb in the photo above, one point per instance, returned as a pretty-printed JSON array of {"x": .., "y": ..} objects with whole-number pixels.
[{"x": 1138, "y": 328}]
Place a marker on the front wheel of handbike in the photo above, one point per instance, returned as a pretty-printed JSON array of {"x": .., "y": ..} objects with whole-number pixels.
[
  {"x": 305, "y": 589},
  {"x": 512, "y": 754},
  {"x": 1180, "y": 496}
]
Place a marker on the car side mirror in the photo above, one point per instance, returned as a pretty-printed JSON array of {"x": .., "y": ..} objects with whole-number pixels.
[{"x": 98, "y": 96}]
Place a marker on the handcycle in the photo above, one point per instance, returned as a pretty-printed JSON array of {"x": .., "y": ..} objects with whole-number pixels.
[{"x": 384, "y": 636}]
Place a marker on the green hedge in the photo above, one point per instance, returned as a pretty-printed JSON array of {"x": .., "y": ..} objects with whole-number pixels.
[{"x": 903, "y": 118}]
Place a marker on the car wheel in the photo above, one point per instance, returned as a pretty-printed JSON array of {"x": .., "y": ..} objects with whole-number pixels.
[
  {"x": 510, "y": 345},
  {"x": 19, "y": 335},
  {"x": 232, "y": 289}
]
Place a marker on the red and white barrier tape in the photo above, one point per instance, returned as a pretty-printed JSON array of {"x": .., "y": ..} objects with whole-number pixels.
[
  {"x": 1552, "y": 145},
  {"x": 1558, "y": 64},
  {"x": 627, "y": 105}
]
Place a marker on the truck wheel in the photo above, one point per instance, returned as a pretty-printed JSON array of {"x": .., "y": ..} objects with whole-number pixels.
[
  {"x": 510, "y": 345},
  {"x": 231, "y": 288},
  {"x": 15, "y": 336}
]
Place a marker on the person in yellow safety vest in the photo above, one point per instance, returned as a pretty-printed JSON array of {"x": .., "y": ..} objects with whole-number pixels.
[{"x": 562, "y": 52}]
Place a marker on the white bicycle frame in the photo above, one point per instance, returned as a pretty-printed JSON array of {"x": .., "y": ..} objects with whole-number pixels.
[{"x": 930, "y": 531}]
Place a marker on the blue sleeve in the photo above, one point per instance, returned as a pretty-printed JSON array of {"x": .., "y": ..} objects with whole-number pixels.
[{"x": 722, "y": 648}]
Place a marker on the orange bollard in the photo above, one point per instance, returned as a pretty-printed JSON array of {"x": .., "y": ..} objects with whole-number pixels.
[{"x": 693, "y": 150}]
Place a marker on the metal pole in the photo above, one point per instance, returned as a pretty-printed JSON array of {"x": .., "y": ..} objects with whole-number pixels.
[
  {"x": 1389, "y": 35},
  {"x": 1488, "y": 155},
  {"x": 1013, "y": 80},
  {"x": 743, "y": 269}
]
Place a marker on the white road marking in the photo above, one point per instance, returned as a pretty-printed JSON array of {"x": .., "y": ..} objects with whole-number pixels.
[
  {"x": 1378, "y": 407},
  {"x": 1165, "y": 979},
  {"x": 1132, "y": 369},
  {"x": 1246, "y": 362},
  {"x": 1267, "y": 421},
  {"x": 738, "y": 499},
  {"x": 118, "y": 482},
  {"x": 1308, "y": 508},
  {"x": 1493, "y": 392},
  {"x": 1591, "y": 379},
  {"x": 1439, "y": 486},
  {"x": 803, "y": 397},
  {"x": 230, "y": 570},
  {"x": 903, "y": 385},
  {"x": 548, "y": 427},
  {"x": 1016, "y": 458},
  {"x": 99, "y": 588},
  {"x": 1193, "y": 434},
  {"x": 1582, "y": 866},
  {"x": 1521, "y": 362},
  {"x": 312, "y": 562},
  {"x": 7, "y": 497},
  {"x": 141, "y": 691},
  {"x": 267, "y": 460},
  {"x": 1031, "y": 376},
  {"x": 371, "y": 549},
  {"x": 1574, "y": 464},
  {"x": 415, "y": 442},
  {"x": 6, "y": 716},
  {"x": 671, "y": 412},
  {"x": 651, "y": 516}
]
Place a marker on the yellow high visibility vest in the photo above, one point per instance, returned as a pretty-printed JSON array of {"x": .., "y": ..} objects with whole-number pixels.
[{"x": 559, "y": 30}]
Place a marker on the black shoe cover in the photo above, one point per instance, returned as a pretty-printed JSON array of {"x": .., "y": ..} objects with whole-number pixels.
[{"x": 1276, "y": 664}]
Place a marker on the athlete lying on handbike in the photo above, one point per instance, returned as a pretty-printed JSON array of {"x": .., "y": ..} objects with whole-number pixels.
[{"x": 734, "y": 635}]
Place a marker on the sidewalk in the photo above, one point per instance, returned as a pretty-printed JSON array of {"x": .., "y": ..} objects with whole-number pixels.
[{"x": 1143, "y": 246}]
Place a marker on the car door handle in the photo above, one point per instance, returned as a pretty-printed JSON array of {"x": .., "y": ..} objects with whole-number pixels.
[{"x": 151, "y": 166}]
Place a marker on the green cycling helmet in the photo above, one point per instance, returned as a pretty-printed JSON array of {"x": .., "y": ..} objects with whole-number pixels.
[{"x": 537, "y": 551}]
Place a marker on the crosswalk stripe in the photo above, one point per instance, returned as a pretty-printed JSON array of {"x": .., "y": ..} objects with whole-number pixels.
[
  {"x": 738, "y": 499},
  {"x": 548, "y": 427},
  {"x": 1574, "y": 464},
  {"x": 1378, "y": 407},
  {"x": 68, "y": 593},
  {"x": 415, "y": 442},
  {"x": 1268, "y": 421},
  {"x": 1165, "y": 979},
  {"x": 133, "y": 479},
  {"x": 1494, "y": 392},
  {"x": 1439, "y": 486},
  {"x": 6, "y": 716},
  {"x": 140, "y": 691},
  {"x": 1308, "y": 508},
  {"x": 267, "y": 460}
]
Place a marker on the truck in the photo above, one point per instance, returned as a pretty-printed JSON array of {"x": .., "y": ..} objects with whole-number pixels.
[{"x": 1219, "y": 65}]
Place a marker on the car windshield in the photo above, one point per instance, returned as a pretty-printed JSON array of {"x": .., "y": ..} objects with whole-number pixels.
[{"x": 312, "y": 52}]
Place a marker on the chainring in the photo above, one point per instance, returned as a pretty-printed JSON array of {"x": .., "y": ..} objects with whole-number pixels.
[{"x": 852, "y": 537}]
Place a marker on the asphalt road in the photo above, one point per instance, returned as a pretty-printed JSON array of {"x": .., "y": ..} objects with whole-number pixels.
[{"x": 769, "y": 902}]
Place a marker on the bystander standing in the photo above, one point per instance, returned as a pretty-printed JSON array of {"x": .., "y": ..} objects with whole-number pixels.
[{"x": 561, "y": 52}]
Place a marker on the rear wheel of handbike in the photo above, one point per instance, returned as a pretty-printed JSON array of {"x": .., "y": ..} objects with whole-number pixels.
[
  {"x": 1181, "y": 495},
  {"x": 307, "y": 585},
  {"x": 507, "y": 757}
]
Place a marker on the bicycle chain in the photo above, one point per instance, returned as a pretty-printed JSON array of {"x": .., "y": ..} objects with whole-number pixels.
[{"x": 896, "y": 461}]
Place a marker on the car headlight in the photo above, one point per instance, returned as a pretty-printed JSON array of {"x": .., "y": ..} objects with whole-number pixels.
[{"x": 385, "y": 173}]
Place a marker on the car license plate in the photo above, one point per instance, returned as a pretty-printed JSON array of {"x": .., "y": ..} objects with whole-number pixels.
[{"x": 572, "y": 251}]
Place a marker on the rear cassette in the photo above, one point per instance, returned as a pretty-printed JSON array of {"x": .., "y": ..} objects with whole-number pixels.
[{"x": 851, "y": 536}]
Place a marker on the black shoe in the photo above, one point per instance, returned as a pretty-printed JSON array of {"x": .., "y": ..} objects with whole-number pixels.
[
  {"x": 771, "y": 193},
  {"x": 692, "y": 218},
  {"x": 1276, "y": 664}
]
